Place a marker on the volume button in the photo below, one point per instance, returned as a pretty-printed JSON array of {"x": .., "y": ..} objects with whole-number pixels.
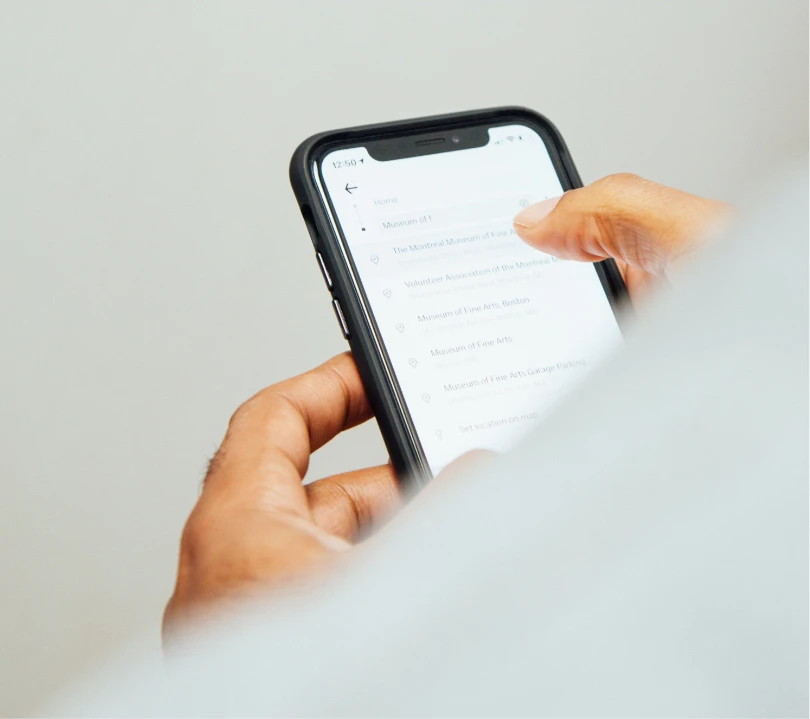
[
  {"x": 341, "y": 318},
  {"x": 324, "y": 271}
]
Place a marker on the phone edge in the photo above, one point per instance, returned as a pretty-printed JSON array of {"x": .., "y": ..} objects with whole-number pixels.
[{"x": 409, "y": 467}]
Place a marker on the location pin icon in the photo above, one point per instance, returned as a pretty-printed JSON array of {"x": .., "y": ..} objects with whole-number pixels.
[
  {"x": 426, "y": 397},
  {"x": 375, "y": 259},
  {"x": 439, "y": 433},
  {"x": 401, "y": 327},
  {"x": 412, "y": 362},
  {"x": 387, "y": 293}
]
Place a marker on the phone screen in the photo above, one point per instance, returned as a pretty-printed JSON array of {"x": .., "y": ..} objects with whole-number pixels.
[{"x": 484, "y": 334}]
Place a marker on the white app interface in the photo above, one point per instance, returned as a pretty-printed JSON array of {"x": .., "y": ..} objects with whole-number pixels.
[{"x": 484, "y": 333}]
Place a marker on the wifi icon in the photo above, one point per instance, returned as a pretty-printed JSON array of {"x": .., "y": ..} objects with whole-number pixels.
[{"x": 511, "y": 138}]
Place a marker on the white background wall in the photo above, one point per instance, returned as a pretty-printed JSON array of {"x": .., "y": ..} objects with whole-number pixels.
[{"x": 154, "y": 270}]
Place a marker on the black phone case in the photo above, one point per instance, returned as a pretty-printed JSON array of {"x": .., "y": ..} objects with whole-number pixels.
[{"x": 406, "y": 456}]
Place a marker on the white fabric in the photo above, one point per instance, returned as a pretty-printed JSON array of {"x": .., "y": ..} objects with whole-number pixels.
[{"x": 644, "y": 553}]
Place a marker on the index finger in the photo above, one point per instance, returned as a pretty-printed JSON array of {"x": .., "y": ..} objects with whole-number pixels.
[{"x": 270, "y": 437}]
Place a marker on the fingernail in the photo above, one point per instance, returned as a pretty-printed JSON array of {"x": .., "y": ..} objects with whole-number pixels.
[{"x": 536, "y": 213}]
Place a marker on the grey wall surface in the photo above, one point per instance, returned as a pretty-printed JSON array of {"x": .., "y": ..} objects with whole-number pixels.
[{"x": 154, "y": 270}]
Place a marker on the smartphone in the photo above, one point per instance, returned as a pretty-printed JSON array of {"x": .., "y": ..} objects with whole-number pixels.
[{"x": 465, "y": 337}]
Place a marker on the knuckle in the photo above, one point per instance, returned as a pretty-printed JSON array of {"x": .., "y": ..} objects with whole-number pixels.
[
  {"x": 254, "y": 409},
  {"x": 617, "y": 203},
  {"x": 193, "y": 534},
  {"x": 243, "y": 412},
  {"x": 620, "y": 181},
  {"x": 618, "y": 193},
  {"x": 198, "y": 531}
]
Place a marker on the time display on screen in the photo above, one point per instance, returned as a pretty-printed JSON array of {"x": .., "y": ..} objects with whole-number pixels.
[{"x": 351, "y": 162}]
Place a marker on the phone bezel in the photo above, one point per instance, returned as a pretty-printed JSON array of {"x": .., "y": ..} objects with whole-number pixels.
[{"x": 399, "y": 432}]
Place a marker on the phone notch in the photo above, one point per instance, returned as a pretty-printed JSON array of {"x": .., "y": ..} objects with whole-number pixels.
[{"x": 432, "y": 143}]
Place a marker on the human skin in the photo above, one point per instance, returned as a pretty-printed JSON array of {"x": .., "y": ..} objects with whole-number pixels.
[{"x": 257, "y": 527}]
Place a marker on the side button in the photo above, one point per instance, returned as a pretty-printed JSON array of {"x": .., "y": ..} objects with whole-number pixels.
[
  {"x": 341, "y": 319},
  {"x": 324, "y": 271}
]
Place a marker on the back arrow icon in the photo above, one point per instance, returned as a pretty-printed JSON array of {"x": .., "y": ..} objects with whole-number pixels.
[{"x": 349, "y": 189}]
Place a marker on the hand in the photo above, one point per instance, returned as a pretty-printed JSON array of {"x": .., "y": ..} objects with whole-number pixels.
[
  {"x": 644, "y": 226},
  {"x": 255, "y": 524}
]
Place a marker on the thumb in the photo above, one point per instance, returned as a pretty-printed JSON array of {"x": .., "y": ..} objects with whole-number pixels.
[{"x": 628, "y": 218}]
